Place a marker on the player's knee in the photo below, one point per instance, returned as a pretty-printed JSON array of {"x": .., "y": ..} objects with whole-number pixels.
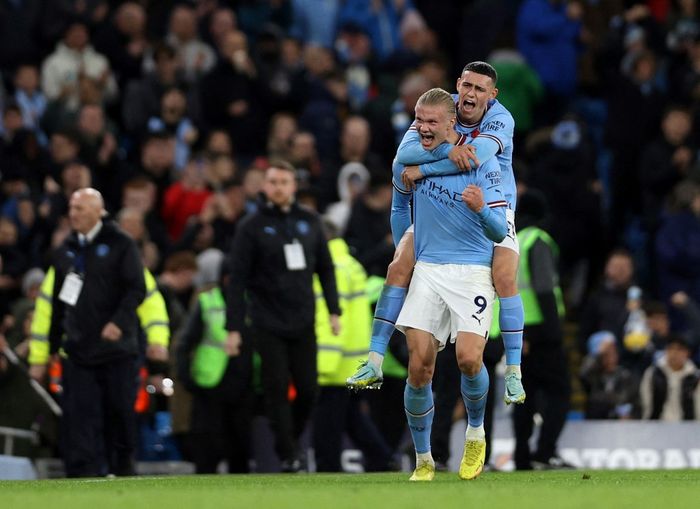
[
  {"x": 420, "y": 375},
  {"x": 469, "y": 362},
  {"x": 399, "y": 272},
  {"x": 505, "y": 272},
  {"x": 505, "y": 283}
]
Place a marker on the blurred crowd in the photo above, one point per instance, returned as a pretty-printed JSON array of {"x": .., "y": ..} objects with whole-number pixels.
[{"x": 173, "y": 109}]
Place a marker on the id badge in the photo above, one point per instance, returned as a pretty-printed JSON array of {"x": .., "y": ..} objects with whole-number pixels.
[
  {"x": 294, "y": 255},
  {"x": 70, "y": 291}
]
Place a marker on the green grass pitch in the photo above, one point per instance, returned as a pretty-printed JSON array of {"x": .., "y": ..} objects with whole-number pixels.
[{"x": 520, "y": 490}]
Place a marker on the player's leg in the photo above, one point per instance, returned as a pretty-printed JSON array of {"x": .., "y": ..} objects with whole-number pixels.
[
  {"x": 423, "y": 317},
  {"x": 474, "y": 387},
  {"x": 511, "y": 318},
  {"x": 470, "y": 295},
  {"x": 369, "y": 374},
  {"x": 418, "y": 399}
]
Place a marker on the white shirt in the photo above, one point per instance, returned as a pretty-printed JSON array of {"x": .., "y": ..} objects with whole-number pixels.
[{"x": 87, "y": 238}]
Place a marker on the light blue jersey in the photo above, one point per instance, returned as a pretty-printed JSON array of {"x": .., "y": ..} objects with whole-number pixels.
[
  {"x": 446, "y": 229},
  {"x": 493, "y": 135}
]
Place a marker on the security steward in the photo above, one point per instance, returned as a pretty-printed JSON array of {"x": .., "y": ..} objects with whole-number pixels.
[
  {"x": 218, "y": 374},
  {"x": 274, "y": 255},
  {"x": 338, "y": 410},
  {"x": 544, "y": 366},
  {"x": 98, "y": 285}
]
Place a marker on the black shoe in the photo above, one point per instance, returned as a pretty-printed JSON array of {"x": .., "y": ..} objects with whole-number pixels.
[{"x": 552, "y": 463}]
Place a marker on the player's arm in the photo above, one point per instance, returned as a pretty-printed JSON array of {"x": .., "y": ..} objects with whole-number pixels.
[
  {"x": 400, "y": 205},
  {"x": 488, "y": 202},
  {"x": 411, "y": 152},
  {"x": 496, "y": 136},
  {"x": 493, "y": 221}
]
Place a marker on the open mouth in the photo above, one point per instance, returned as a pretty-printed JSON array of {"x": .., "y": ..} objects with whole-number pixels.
[
  {"x": 468, "y": 105},
  {"x": 426, "y": 139}
]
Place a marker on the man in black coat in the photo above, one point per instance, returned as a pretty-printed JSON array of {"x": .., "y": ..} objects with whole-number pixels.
[
  {"x": 98, "y": 284},
  {"x": 275, "y": 253}
]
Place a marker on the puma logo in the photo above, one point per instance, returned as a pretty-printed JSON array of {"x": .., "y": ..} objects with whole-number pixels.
[{"x": 477, "y": 318}]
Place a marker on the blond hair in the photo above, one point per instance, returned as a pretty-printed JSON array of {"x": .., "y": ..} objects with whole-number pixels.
[{"x": 438, "y": 97}]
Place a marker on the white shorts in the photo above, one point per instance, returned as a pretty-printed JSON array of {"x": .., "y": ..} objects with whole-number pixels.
[
  {"x": 511, "y": 240},
  {"x": 446, "y": 299}
]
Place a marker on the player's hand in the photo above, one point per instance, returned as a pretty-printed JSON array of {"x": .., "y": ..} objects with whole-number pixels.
[
  {"x": 335, "y": 324},
  {"x": 473, "y": 197},
  {"x": 464, "y": 157},
  {"x": 410, "y": 175},
  {"x": 233, "y": 344},
  {"x": 111, "y": 332}
]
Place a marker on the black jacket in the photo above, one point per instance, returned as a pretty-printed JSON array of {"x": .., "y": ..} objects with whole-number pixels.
[
  {"x": 113, "y": 287},
  {"x": 659, "y": 387},
  {"x": 280, "y": 300}
]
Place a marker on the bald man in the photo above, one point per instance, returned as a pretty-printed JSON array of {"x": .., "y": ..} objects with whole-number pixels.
[{"x": 94, "y": 285}]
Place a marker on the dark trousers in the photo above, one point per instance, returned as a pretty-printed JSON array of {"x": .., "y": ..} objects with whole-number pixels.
[
  {"x": 446, "y": 388},
  {"x": 546, "y": 382},
  {"x": 285, "y": 358},
  {"x": 338, "y": 412},
  {"x": 220, "y": 426},
  {"x": 99, "y": 424}
]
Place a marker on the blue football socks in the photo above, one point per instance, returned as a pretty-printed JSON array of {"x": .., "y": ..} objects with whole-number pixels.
[{"x": 418, "y": 403}]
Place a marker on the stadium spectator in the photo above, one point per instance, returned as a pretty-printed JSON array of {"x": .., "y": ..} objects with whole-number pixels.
[
  {"x": 549, "y": 34},
  {"x": 222, "y": 20},
  {"x": 124, "y": 42},
  {"x": 669, "y": 390},
  {"x": 30, "y": 99},
  {"x": 75, "y": 60},
  {"x": 185, "y": 198},
  {"x": 611, "y": 390},
  {"x": 381, "y": 19},
  {"x": 172, "y": 118},
  {"x": 283, "y": 126},
  {"x": 678, "y": 246},
  {"x": 196, "y": 56},
  {"x": 230, "y": 97},
  {"x": 665, "y": 163},
  {"x": 606, "y": 308},
  {"x": 314, "y": 23},
  {"x": 142, "y": 97}
]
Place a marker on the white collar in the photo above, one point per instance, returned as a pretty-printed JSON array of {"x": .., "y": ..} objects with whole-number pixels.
[{"x": 90, "y": 236}]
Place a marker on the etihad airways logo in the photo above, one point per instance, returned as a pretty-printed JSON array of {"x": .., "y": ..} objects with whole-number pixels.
[{"x": 435, "y": 191}]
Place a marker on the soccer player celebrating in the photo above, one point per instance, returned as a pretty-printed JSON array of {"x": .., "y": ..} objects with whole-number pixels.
[
  {"x": 457, "y": 219},
  {"x": 487, "y": 129}
]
